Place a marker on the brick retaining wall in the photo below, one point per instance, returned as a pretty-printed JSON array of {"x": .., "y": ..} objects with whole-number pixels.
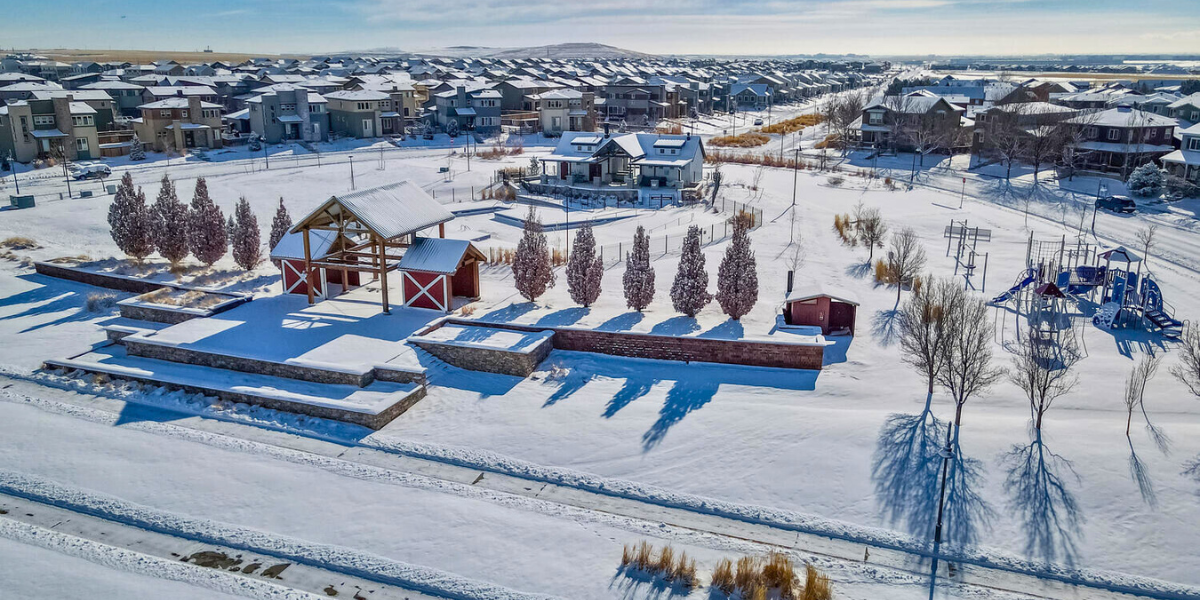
[{"x": 755, "y": 353}]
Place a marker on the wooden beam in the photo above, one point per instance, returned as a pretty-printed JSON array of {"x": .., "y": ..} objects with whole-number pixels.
[
  {"x": 308, "y": 278},
  {"x": 383, "y": 277}
]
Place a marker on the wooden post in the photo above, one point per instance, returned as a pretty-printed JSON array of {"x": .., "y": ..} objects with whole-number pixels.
[
  {"x": 441, "y": 230},
  {"x": 308, "y": 275},
  {"x": 383, "y": 284}
]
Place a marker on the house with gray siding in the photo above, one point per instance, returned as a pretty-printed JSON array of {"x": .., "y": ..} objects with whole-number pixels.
[{"x": 288, "y": 112}]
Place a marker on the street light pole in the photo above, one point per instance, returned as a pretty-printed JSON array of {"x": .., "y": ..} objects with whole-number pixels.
[
  {"x": 947, "y": 454},
  {"x": 351, "y": 171}
]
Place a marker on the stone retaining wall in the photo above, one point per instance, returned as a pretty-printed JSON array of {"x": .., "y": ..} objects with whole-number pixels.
[
  {"x": 112, "y": 282},
  {"x": 246, "y": 365},
  {"x": 491, "y": 360},
  {"x": 755, "y": 353}
]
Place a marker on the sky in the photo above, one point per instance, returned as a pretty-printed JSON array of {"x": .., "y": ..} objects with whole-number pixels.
[{"x": 719, "y": 27}]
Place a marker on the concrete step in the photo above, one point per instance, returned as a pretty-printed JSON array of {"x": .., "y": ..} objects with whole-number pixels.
[{"x": 373, "y": 405}]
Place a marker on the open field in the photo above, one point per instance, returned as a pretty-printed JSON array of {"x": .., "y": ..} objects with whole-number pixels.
[{"x": 145, "y": 56}]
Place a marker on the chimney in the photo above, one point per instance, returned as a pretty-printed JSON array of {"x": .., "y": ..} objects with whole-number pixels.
[{"x": 194, "y": 109}]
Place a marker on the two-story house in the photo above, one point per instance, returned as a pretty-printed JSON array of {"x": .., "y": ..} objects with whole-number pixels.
[
  {"x": 1186, "y": 109},
  {"x": 468, "y": 110},
  {"x": 1025, "y": 118},
  {"x": 892, "y": 122},
  {"x": 53, "y": 127},
  {"x": 127, "y": 97},
  {"x": 288, "y": 112},
  {"x": 1120, "y": 139},
  {"x": 179, "y": 122},
  {"x": 751, "y": 96},
  {"x": 358, "y": 113},
  {"x": 1185, "y": 162},
  {"x": 566, "y": 110}
]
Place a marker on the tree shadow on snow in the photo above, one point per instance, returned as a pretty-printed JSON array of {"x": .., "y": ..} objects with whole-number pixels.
[
  {"x": 566, "y": 316},
  {"x": 621, "y": 322},
  {"x": 1038, "y": 484},
  {"x": 729, "y": 330},
  {"x": 680, "y": 325},
  {"x": 684, "y": 397},
  {"x": 906, "y": 469},
  {"x": 885, "y": 325},
  {"x": 859, "y": 270},
  {"x": 509, "y": 313}
]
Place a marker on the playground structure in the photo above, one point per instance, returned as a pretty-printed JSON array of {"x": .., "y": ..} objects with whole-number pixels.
[
  {"x": 1056, "y": 271},
  {"x": 964, "y": 241}
]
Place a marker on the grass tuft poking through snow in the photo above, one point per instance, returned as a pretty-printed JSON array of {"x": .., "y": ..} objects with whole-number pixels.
[
  {"x": 816, "y": 584},
  {"x": 722, "y": 577},
  {"x": 746, "y": 579},
  {"x": 677, "y": 570},
  {"x": 18, "y": 242},
  {"x": 778, "y": 572},
  {"x": 100, "y": 301}
]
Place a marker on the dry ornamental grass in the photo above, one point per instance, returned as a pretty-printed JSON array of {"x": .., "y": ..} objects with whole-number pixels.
[{"x": 749, "y": 139}]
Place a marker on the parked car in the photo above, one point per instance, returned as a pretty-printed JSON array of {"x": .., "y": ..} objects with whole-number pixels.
[
  {"x": 1117, "y": 204},
  {"x": 81, "y": 171},
  {"x": 758, "y": 121}
]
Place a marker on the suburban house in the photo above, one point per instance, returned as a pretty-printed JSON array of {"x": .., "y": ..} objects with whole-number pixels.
[
  {"x": 403, "y": 95},
  {"x": 633, "y": 101},
  {"x": 1185, "y": 109},
  {"x": 466, "y": 110},
  {"x": 890, "y": 122},
  {"x": 748, "y": 96},
  {"x": 176, "y": 123},
  {"x": 154, "y": 93},
  {"x": 1185, "y": 162},
  {"x": 359, "y": 113},
  {"x": 566, "y": 110},
  {"x": 1119, "y": 139},
  {"x": 50, "y": 127},
  {"x": 1030, "y": 119},
  {"x": 289, "y": 112},
  {"x": 657, "y": 165},
  {"x": 127, "y": 97}
]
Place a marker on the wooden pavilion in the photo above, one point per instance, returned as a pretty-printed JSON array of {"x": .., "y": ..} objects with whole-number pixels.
[{"x": 365, "y": 232}]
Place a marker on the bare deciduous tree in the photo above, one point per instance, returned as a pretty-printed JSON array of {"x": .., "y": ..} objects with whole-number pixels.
[
  {"x": 906, "y": 259},
  {"x": 922, "y": 328},
  {"x": 1135, "y": 386},
  {"x": 870, "y": 229},
  {"x": 1187, "y": 370},
  {"x": 1045, "y": 372},
  {"x": 967, "y": 368}
]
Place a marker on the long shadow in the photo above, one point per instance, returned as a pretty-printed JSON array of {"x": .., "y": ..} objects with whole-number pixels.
[
  {"x": 1039, "y": 491},
  {"x": 906, "y": 469},
  {"x": 858, "y": 270},
  {"x": 441, "y": 374},
  {"x": 685, "y": 397},
  {"x": 631, "y": 390},
  {"x": 572, "y": 382},
  {"x": 1141, "y": 476},
  {"x": 728, "y": 330},
  {"x": 621, "y": 322},
  {"x": 885, "y": 325},
  {"x": 680, "y": 325},
  {"x": 835, "y": 352},
  {"x": 509, "y": 312},
  {"x": 566, "y": 316}
]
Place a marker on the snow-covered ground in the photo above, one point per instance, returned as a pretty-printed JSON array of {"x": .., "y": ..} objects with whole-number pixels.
[{"x": 803, "y": 442}]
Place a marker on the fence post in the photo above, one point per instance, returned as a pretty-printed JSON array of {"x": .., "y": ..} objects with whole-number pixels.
[
  {"x": 620, "y": 249},
  {"x": 472, "y": 192},
  {"x": 452, "y": 200}
]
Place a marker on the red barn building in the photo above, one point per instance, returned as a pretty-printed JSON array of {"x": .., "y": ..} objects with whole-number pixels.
[{"x": 435, "y": 270}]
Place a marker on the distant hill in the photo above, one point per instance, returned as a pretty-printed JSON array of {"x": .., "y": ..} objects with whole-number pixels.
[{"x": 578, "y": 50}]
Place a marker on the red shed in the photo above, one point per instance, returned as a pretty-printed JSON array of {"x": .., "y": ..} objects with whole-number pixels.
[
  {"x": 435, "y": 270},
  {"x": 831, "y": 310}
]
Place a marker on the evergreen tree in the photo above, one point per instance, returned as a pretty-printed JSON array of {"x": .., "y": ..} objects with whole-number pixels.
[
  {"x": 279, "y": 226},
  {"x": 532, "y": 272},
  {"x": 206, "y": 227},
  {"x": 130, "y": 221},
  {"x": 584, "y": 268},
  {"x": 639, "y": 275},
  {"x": 689, "y": 292},
  {"x": 247, "y": 240},
  {"x": 229, "y": 227},
  {"x": 136, "y": 152},
  {"x": 737, "y": 279},
  {"x": 1147, "y": 181},
  {"x": 170, "y": 224}
]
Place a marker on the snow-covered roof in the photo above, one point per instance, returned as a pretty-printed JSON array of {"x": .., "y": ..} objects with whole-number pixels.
[
  {"x": 1124, "y": 117},
  {"x": 355, "y": 95},
  {"x": 814, "y": 290},
  {"x": 389, "y": 211},
  {"x": 434, "y": 255},
  {"x": 176, "y": 102},
  {"x": 291, "y": 245}
]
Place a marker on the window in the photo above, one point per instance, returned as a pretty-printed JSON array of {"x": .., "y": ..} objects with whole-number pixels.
[
  {"x": 876, "y": 118},
  {"x": 1152, "y": 133},
  {"x": 43, "y": 120},
  {"x": 183, "y": 114},
  {"x": 1193, "y": 143},
  {"x": 1195, "y": 116},
  {"x": 166, "y": 114},
  {"x": 81, "y": 144},
  {"x": 287, "y": 108},
  {"x": 364, "y": 106},
  {"x": 1114, "y": 134},
  {"x": 82, "y": 121}
]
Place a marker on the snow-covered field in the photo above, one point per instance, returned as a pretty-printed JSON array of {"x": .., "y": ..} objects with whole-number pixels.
[{"x": 802, "y": 442}]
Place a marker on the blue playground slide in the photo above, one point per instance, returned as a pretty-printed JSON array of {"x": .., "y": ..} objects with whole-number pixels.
[{"x": 1030, "y": 275}]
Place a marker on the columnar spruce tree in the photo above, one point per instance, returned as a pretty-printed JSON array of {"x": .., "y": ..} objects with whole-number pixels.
[
  {"x": 170, "y": 224},
  {"x": 689, "y": 292},
  {"x": 584, "y": 268},
  {"x": 737, "y": 277},
  {"x": 532, "y": 272},
  {"x": 639, "y": 275},
  {"x": 247, "y": 240},
  {"x": 130, "y": 221},
  {"x": 136, "y": 152},
  {"x": 279, "y": 226},
  {"x": 206, "y": 227}
]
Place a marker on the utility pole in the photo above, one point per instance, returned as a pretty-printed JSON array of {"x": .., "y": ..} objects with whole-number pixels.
[
  {"x": 963, "y": 194},
  {"x": 14, "y": 168},
  {"x": 947, "y": 453},
  {"x": 266, "y": 156},
  {"x": 352, "y": 172},
  {"x": 66, "y": 173}
]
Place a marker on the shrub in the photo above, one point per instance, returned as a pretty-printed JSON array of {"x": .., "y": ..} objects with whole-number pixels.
[
  {"x": 100, "y": 301},
  {"x": 793, "y": 124},
  {"x": 747, "y": 577},
  {"x": 722, "y": 577},
  {"x": 1178, "y": 187},
  {"x": 779, "y": 572},
  {"x": 750, "y": 139},
  {"x": 1147, "y": 181},
  {"x": 666, "y": 561},
  {"x": 644, "y": 557},
  {"x": 883, "y": 274},
  {"x": 816, "y": 584},
  {"x": 18, "y": 242},
  {"x": 684, "y": 572},
  {"x": 669, "y": 129},
  {"x": 835, "y": 180}
]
